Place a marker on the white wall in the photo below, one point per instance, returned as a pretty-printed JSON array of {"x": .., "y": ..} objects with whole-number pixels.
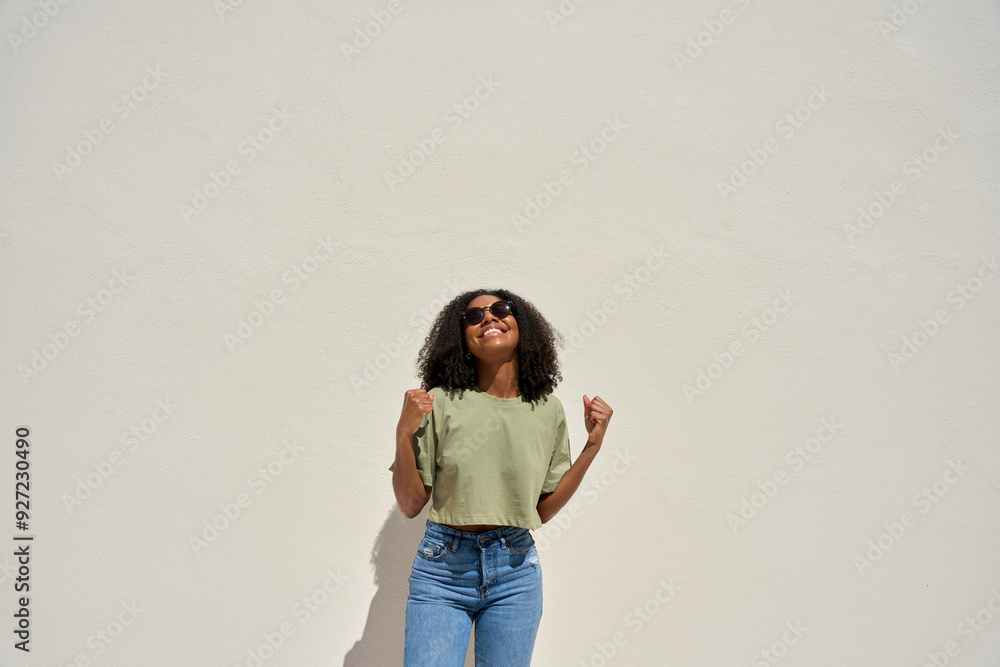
[{"x": 887, "y": 84}]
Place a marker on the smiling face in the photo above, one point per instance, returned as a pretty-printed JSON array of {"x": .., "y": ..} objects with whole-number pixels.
[{"x": 493, "y": 337}]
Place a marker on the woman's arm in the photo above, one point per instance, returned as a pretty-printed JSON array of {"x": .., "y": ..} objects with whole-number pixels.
[
  {"x": 596, "y": 414},
  {"x": 549, "y": 504},
  {"x": 411, "y": 492}
]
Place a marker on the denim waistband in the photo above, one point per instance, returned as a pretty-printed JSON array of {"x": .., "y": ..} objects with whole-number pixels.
[{"x": 450, "y": 533}]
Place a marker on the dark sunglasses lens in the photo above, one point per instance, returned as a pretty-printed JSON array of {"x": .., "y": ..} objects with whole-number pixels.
[{"x": 500, "y": 310}]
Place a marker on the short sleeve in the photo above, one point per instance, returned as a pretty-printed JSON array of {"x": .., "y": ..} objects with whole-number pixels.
[
  {"x": 424, "y": 448},
  {"x": 560, "y": 460}
]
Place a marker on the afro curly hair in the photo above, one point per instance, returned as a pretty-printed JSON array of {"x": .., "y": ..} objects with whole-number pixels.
[{"x": 442, "y": 361}]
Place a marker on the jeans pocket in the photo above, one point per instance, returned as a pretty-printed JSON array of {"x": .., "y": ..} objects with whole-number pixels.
[
  {"x": 521, "y": 543},
  {"x": 431, "y": 548}
]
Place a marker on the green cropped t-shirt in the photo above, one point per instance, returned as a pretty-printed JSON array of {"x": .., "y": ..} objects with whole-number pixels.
[{"x": 487, "y": 458}]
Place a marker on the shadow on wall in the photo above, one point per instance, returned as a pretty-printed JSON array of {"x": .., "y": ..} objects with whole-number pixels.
[{"x": 392, "y": 561}]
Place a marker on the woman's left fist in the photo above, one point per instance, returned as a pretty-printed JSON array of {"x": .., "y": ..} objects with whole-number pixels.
[{"x": 596, "y": 414}]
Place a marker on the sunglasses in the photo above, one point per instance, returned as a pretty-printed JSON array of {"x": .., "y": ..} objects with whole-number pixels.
[{"x": 500, "y": 310}]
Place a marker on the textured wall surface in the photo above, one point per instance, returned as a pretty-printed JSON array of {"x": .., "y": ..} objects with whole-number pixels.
[{"x": 768, "y": 232}]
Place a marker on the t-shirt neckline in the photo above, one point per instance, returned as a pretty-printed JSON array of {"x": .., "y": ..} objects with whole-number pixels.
[{"x": 476, "y": 390}]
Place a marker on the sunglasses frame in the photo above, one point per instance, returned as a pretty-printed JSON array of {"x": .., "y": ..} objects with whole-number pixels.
[{"x": 482, "y": 311}]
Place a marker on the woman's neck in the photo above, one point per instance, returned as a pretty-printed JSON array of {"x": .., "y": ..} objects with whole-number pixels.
[{"x": 499, "y": 381}]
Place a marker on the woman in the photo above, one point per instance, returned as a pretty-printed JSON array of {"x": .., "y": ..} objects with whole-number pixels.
[{"x": 488, "y": 440}]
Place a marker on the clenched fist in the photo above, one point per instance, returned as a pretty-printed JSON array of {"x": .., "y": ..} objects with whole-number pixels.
[
  {"x": 596, "y": 414},
  {"x": 417, "y": 403}
]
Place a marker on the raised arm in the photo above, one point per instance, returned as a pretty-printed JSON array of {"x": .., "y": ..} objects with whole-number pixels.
[{"x": 411, "y": 492}]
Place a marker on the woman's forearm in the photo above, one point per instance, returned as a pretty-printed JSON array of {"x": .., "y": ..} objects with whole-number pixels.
[
  {"x": 411, "y": 496},
  {"x": 549, "y": 504}
]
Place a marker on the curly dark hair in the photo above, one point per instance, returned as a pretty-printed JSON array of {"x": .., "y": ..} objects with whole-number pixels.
[{"x": 442, "y": 361}]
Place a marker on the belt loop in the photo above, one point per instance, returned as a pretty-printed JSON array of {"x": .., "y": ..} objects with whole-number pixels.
[
  {"x": 503, "y": 541},
  {"x": 454, "y": 542}
]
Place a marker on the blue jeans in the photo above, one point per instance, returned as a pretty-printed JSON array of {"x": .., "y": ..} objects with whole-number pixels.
[{"x": 493, "y": 578}]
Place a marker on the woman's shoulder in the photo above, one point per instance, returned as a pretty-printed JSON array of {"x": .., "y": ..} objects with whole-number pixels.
[
  {"x": 440, "y": 390},
  {"x": 554, "y": 405},
  {"x": 443, "y": 394}
]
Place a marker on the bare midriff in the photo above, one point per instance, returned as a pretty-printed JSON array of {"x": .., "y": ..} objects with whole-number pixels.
[{"x": 475, "y": 528}]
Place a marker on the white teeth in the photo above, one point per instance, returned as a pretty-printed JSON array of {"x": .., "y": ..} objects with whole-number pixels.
[{"x": 492, "y": 332}]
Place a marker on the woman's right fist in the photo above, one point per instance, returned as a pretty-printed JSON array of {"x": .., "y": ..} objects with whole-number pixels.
[{"x": 416, "y": 404}]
